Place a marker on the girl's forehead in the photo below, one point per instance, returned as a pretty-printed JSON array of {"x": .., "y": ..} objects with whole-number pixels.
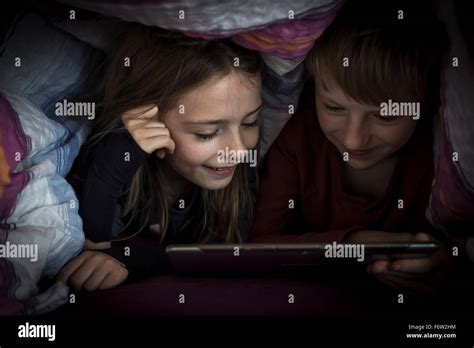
[{"x": 226, "y": 97}]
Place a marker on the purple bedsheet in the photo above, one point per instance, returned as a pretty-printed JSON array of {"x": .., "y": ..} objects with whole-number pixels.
[{"x": 160, "y": 295}]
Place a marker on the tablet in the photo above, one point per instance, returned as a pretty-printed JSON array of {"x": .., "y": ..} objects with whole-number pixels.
[{"x": 258, "y": 259}]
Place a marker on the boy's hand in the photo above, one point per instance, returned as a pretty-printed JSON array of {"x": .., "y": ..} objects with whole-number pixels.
[
  {"x": 93, "y": 270},
  {"x": 415, "y": 274},
  {"x": 149, "y": 133}
]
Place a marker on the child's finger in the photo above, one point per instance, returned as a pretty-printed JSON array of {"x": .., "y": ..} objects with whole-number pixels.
[
  {"x": 154, "y": 124},
  {"x": 142, "y": 112},
  {"x": 71, "y": 267},
  {"x": 422, "y": 237},
  {"x": 114, "y": 278},
  {"x": 155, "y": 131},
  {"x": 378, "y": 266},
  {"x": 82, "y": 274},
  {"x": 94, "y": 281},
  {"x": 417, "y": 264},
  {"x": 144, "y": 133},
  {"x": 162, "y": 142},
  {"x": 413, "y": 265},
  {"x": 136, "y": 123}
]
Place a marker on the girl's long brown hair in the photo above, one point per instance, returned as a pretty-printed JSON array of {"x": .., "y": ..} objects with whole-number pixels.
[{"x": 163, "y": 66}]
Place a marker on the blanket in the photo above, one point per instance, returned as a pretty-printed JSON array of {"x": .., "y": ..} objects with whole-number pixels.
[{"x": 40, "y": 227}]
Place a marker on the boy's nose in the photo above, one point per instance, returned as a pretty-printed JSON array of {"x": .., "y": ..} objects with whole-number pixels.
[{"x": 356, "y": 137}]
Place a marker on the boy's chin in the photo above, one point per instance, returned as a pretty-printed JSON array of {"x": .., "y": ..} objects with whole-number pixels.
[{"x": 361, "y": 164}]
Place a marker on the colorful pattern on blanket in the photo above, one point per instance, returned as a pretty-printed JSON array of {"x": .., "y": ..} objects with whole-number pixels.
[
  {"x": 39, "y": 210},
  {"x": 452, "y": 199},
  {"x": 284, "y": 32}
]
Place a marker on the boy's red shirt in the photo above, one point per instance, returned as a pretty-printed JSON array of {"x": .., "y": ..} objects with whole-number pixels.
[{"x": 304, "y": 166}]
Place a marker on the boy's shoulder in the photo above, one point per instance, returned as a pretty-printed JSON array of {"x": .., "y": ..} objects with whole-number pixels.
[{"x": 303, "y": 126}]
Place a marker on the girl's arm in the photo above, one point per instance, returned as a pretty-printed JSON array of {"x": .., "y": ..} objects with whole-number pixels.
[
  {"x": 106, "y": 268},
  {"x": 101, "y": 179}
]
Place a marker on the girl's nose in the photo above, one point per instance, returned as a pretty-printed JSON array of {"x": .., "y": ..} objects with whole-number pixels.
[{"x": 236, "y": 143}]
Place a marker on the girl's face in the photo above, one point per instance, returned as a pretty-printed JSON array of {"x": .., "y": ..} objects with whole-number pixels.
[
  {"x": 358, "y": 129},
  {"x": 222, "y": 113}
]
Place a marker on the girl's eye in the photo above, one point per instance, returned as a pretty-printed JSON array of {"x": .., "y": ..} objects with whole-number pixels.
[
  {"x": 250, "y": 125},
  {"x": 333, "y": 108},
  {"x": 205, "y": 137}
]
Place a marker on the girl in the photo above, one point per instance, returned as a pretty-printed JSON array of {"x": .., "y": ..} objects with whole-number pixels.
[
  {"x": 170, "y": 106},
  {"x": 345, "y": 171}
]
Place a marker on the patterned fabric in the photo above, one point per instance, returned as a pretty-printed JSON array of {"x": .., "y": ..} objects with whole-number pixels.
[
  {"x": 283, "y": 32},
  {"x": 452, "y": 199},
  {"x": 37, "y": 149}
]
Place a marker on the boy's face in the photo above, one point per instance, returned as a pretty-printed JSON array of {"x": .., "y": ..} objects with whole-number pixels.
[
  {"x": 358, "y": 129},
  {"x": 222, "y": 113}
]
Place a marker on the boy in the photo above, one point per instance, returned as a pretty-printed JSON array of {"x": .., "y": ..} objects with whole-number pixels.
[{"x": 355, "y": 164}]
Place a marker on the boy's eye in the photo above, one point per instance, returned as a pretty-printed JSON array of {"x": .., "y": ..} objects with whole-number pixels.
[
  {"x": 205, "y": 137},
  {"x": 332, "y": 108},
  {"x": 387, "y": 119}
]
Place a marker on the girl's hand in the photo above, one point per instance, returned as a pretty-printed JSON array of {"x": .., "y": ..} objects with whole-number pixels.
[
  {"x": 149, "y": 133},
  {"x": 93, "y": 270}
]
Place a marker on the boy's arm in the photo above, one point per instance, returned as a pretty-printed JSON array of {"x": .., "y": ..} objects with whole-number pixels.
[{"x": 279, "y": 193}]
